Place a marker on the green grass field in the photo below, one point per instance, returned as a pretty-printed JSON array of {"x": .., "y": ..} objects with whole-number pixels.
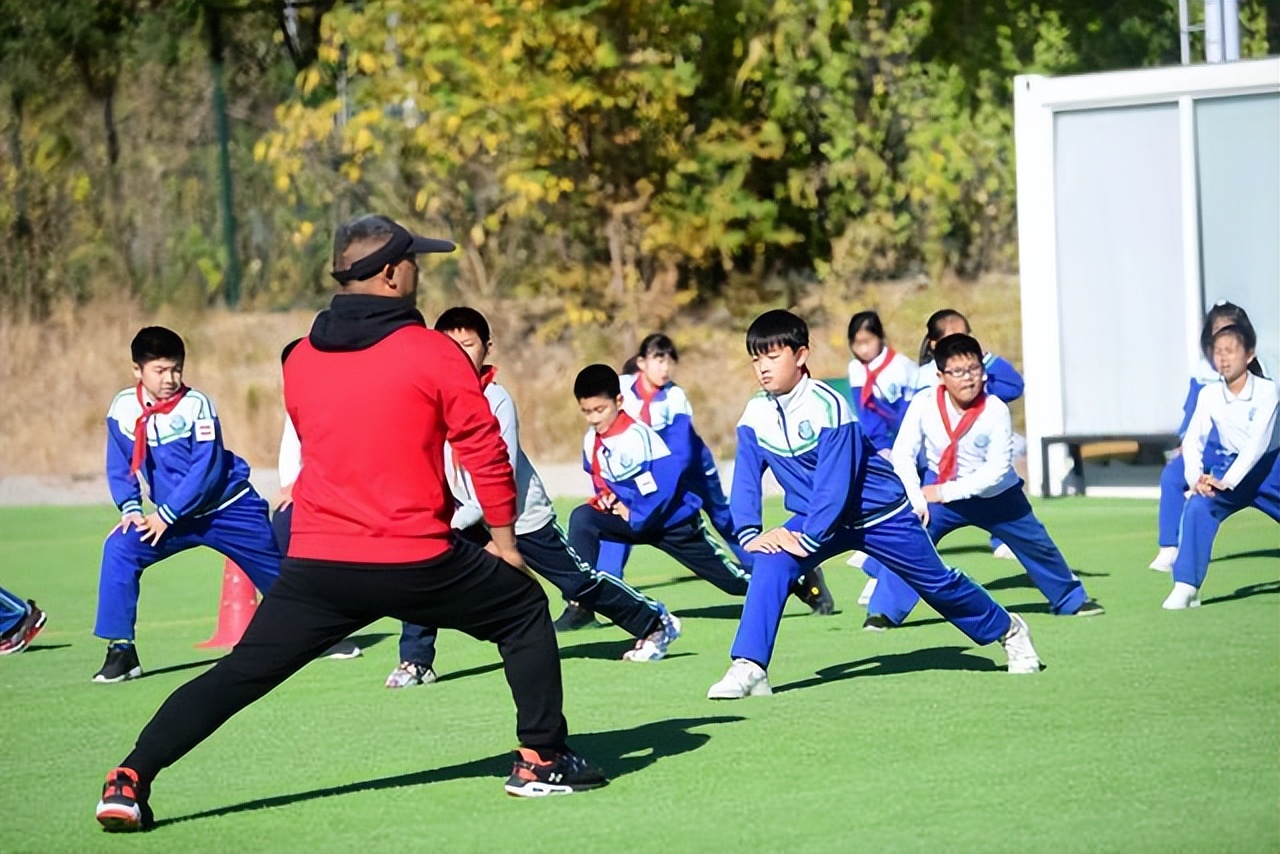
[{"x": 1148, "y": 731}]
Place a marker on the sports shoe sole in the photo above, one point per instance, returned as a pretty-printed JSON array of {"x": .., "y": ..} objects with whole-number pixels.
[
  {"x": 117, "y": 818},
  {"x": 131, "y": 674},
  {"x": 539, "y": 789}
]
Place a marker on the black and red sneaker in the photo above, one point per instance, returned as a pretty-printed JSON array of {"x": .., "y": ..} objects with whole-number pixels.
[
  {"x": 25, "y": 632},
  {"x": 536, "y": 777},
  {"x": 124, "y": 806}
]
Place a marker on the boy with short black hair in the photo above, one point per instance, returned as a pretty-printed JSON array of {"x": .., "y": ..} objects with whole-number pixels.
[
  {"x": 967, "y": 438},
  {"x": 538, "y": 536},
  {"x": 843, "y": 496},
  {"x": 168, "y": 434},
  {"x": 639, "y": 497}
]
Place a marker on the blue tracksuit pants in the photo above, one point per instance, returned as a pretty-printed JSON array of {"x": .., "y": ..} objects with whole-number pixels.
[
  {"x": 13, "y": 609},
  {"x": 902, "y": 544},
  {"x": 1202, "y": 517},
  {"x": 1008, "y": 516},
  {"x": 240, "y": 531}
]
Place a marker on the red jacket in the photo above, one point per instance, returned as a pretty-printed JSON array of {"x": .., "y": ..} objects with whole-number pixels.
[{"x": 374, "y": 395}]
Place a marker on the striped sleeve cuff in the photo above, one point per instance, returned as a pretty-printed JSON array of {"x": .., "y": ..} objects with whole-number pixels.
[
  {"x": 131, "y": 506},
  {"x": 746, "y": 535},
  {"x": 808, "y": 543},
  {"x": 166, "y": 514}
]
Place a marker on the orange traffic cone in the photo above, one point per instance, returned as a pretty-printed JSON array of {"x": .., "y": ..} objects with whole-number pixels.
[{"x": 239, "y": 599}]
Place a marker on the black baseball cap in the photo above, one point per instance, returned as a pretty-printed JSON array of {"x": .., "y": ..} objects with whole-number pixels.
[{"x": 402, "y": 243}]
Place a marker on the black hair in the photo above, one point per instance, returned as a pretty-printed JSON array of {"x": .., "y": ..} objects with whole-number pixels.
[
  {"x": 777, "y": 328},
  {"x": 1229, "y": 311},
  {"x": 597, "y": 381},
  {"x": 630, "y": 366},
  {"x": 956, "y": 344},
  {"x": 868, "y": 320},
  {"x": 658, "y": 344},
  {"x": 1248, "y": 338},
  {"x": 933, "y": 331},
  {"x": 157, "y": 342},
  {"x": 464, "y": 317},
  {"x": 360, "y": 229}
]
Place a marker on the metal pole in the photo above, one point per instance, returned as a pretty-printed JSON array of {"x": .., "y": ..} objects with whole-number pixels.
[
  {"x": 1213, "y": 30},
  {"x": 231, "y": 276},
  {"x": 1231, "y": 30},
  {"x": 1184, "y": 32}
]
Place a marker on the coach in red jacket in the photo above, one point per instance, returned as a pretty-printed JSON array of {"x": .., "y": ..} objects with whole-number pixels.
[{"x": 374, "y": 395}]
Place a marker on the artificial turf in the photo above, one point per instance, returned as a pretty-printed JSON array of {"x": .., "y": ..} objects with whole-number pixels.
[{"x": 1148, "y": 731}]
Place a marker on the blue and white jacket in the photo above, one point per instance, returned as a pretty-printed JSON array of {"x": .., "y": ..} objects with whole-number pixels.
[
  {"x": 188, "y": 471},
  {"x": 830, "y": 472},
  {"x": 641, "y": 470},
  {"x": 891, "y": 395},
  {"x": 671, "y": 416}
]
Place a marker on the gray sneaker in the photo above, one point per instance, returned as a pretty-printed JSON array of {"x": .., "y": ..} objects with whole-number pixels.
[{"x": 408, "y": 674}]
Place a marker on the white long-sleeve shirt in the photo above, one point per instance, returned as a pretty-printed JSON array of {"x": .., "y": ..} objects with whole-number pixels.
[
  {"x": 984, "y": 455},
  {"x": 1247, "y": 427},
  {"x": 532, "y": 502},
  {"x": 289, "y": 462}
]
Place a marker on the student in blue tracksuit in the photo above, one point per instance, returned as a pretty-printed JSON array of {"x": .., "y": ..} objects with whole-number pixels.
[
  {"x": 650, "y": 396},
  {"x": 639, "y": 494},
  {"x": 843, "y": 496},
  {"x": 966, "y": 437},
  {"x": 1173, "y": 478},
  {"x": 1003, "y": 380},
  {"x": 169, "y": 435},
  {"x": 1243, "y": 407}
]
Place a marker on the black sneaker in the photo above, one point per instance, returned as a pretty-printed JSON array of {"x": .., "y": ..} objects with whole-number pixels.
[
  {"x": 535, "y": 777},
  {"x": 812, "y": 591},
  {"x": 1090, "y": 608},
  {"x": 876, "y": 623},
  {"x": 575, "y": 617},
  {"x": 25, "y": 632},
  {"x": 124, "y": 806},
  {"x": 121, "y": 664}
]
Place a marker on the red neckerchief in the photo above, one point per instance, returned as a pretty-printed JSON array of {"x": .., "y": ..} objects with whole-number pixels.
[
  {"x": 488, "y": 373},
  {"x": 947, "y": 462},
  {"x": 160, "y": 407},
  {"x": 646, "y": 397},
  {"x": 868, "y": 399},
  {"x": 621, "y": 423}
]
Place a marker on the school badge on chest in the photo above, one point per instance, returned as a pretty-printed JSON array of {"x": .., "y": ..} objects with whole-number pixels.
[{"x": 806, "y": 430}]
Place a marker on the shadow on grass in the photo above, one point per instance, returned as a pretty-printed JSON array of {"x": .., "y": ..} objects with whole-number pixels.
[
  {"x": 42, "y": 647},
  {"x": 1245, "y": 592},
  {"x": 1271, "y": 553},
  {"x": 369, "y": 639},
  {"x": 605, "y": 650},
  {"x": 730, "y": 611},
  {"x": 670, "y": 582},
  {"x": 618, "y": 752},
  {"x": 178, "y": 668},
  {"x": 937, "y": 658}
]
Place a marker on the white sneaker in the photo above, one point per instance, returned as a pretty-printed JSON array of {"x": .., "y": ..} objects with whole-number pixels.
[
  {"x": 1164, "y": 559},
  {"x": 1017, "y": 646},
  {"x": 407, "y": 674},
  {"x": 864, "y": 598},
  {"x": 857, "y": 559},
  {"x": 653, "y": 646},
  {"x": 1182, "y": 596},
  {"x": 1003, "y": 552},
  {"x": 744, "y": 679}
]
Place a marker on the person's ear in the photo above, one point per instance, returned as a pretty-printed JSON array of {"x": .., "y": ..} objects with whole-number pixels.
[{"x": 802, "y": 356}]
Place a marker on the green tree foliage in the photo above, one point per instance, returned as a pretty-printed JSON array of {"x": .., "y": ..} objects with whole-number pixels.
[{"x": 607, "y": 160}]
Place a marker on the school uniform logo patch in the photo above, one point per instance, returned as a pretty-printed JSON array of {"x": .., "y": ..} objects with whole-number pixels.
[
  {"x": 177, "y": 423},
  {"x": 981, "y": 441},
  {"x": 206, "y": 431},
  {"x": 646, "y": 484},
  {"x": 806, "y": 430}
]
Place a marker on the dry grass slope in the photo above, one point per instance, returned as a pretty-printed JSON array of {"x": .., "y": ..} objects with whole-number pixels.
[{"x": 57, "y": 376}]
